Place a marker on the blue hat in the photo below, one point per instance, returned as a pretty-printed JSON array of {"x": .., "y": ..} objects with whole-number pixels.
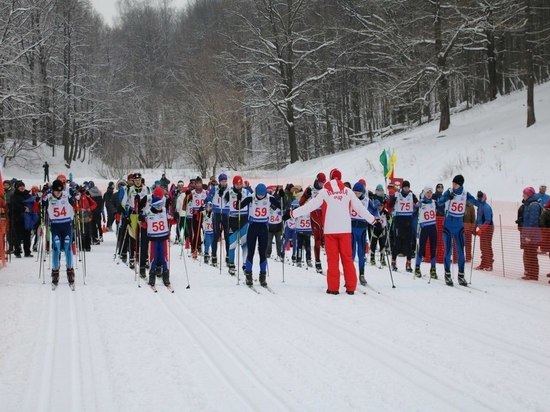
[
  {"x": 358, "y": 187},
  {"x": 379, "y": 187},
  {"x": 261, "y": 190},
  {"x": 294, "y": 204},
  {"x": 221, "y": 177}
]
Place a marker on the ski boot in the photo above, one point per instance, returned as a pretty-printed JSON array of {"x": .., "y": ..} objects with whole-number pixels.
[
  {"x": 362, "y": 279},
  {"x": 132, "y": 264},
  {"x": 382, "y": 260},
  {"x": 249, "y": 281},
  {"x": 433, "y": 272},
  {"x": 318, "y": 267},
  {"x": 166, "y": 278},
  {"x": 231, "y": 269},
  {"x": 142, "y": 273},
  {"x": 417, "y": 272},
  {"x": 408, "y": 266},
  {"x": 293, "y": 259},
  {"x": 372, "y": 260},
  {"x": 206, "y": 258},
  {"x": 70, "y": 276},
  {"x": 332, "y": 292},
  {"x": 299, "y": 263},
  {"x": 214, "y": 261},
  {"x": 462, "y": 280},
  {"x": 448, "y": 279},
  {"x": 55, "y": 277},
  {"x": 152, "y": 278},
  {"x": 263, "y": 282},
  {"x": 124, "y": 258},
  {"x": 394, "y": 265},
  {"x": 309, "y": 263}
]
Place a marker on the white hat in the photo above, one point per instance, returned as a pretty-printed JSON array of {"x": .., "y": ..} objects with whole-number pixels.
[{"x": 428, "y": 188}]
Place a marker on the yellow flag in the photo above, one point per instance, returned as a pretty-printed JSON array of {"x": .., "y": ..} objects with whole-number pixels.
[{"x": 393, "y": 161}]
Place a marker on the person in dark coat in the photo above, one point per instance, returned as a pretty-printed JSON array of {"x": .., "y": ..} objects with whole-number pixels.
[
  {"x": 531, "y": 237},
  {"x": 18, "y": 210},
  {"x": 46, "y": 168},
  {"x": 98, "y": 213},
  {"x": 111, "y": 205}
]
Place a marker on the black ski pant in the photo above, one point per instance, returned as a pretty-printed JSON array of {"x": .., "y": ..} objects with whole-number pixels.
[{"x": 221, "y": 225}]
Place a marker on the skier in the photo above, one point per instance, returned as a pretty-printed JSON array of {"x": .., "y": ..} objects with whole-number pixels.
[
  {"x": 221, "y": 217},
  {"x": 136, "y": 200},
  {"x": 404, "y": 203},
  {"x": 238, "y": 220},
  {"x": 453, "y": 228},
  {"x": 208, "y": 229},
  {"x": 485, "y": 230},
  {"x": 60, "y": 208},
  {"x": 336, "y": 201},
  {"x": 379, "y": 233},
  {"x": 530, "y": 235},
  {"x": 275, "y": 228},
  {"x": 359, "y": 230},
  {"x": 290, "y": 234},
  {"x": 427, "y": 211},
  {"x": 157, "y": 222},
  {"x": 196, "y": 197},
  {"x": 258, "y": 205},
  {"x": 303, "y": 239},
  {"x": 316, "y": 217}
]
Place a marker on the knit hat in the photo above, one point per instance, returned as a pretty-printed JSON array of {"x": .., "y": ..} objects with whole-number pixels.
[
  {"x": 459, "y": 180},
  {"x": 19, "y": 183},
  {"x": 363, "y": 182},
  {"x": 57, "y": 186},
  {"x": 198, "y": 179},
  {"x": 428, "y": 188},
  {"x": 157, "y": 199},
  {"x": 261, "y": 190},
  {"x": 321, "y": 178},
  {"x": 62, "y": 177},
  {"x": 221, "y": 177},
  {"x": 335, "y": 174},
  {"x": 406, "y": 183},
  {"x": 358, "y": 187},
  {"x": 529, "y": 191},
  {"x": 237, "y": 180},
  {"x": 379, "y": 187}
]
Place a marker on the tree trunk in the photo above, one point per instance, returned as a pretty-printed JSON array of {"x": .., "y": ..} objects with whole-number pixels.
[
  {"x": 443, "y": 83},
  {"x": 291, "y": 129},
  {"x": 529, "y": 44}
]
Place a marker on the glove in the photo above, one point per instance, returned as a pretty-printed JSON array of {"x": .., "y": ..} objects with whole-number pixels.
[
  {"x": 286, "y": 216},
  {"x": 239, "y": 196},
  {"x": 451, "y": 194}
]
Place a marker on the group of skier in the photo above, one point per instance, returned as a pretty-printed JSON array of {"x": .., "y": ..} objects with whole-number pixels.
[{"x": 216, "y": 218}]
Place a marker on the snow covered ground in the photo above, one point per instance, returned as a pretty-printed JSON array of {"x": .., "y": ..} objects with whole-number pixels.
[{"x": 111, "y": 346}]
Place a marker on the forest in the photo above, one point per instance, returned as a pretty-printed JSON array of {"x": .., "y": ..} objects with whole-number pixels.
[{"x": 233, "y": 84}]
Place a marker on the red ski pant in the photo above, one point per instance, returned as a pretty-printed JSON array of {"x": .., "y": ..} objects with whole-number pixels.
[{"x": 338, "y": 247}]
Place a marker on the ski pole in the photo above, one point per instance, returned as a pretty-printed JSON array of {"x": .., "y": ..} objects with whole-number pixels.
[
  {"x": 473, "y": 253},
  {"x": 185, "y": 265},
  {"x": 238, "y": 247},
  {"x": 387, "y": 248}
]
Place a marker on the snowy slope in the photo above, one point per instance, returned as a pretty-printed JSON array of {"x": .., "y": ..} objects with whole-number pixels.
[
  {"x": 111, "y": 346},
  {"x": 488, "y": 144}
]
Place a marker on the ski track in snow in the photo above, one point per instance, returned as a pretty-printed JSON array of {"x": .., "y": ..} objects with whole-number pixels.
[{"x": 111, "y": 346}]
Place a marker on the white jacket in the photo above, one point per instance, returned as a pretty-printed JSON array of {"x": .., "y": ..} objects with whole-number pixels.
[
  {"x": 336, "y": 201},
  {"x": 179, "y": 204}
]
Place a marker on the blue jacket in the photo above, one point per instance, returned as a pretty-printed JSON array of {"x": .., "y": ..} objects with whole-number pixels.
[
  {"x": 531, "y": 222},
  {"x": 454, "y": 223},
  {"x": 484, "y": 214}
]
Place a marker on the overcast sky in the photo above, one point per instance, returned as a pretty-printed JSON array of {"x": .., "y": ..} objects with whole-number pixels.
[{"x": 108, "y": 7}]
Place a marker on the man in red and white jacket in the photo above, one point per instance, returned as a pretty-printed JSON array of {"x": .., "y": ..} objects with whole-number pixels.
[{"x": 337, "y": 201}]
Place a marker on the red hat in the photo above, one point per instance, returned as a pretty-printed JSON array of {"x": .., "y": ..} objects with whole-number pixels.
[
  {"x": 158, "y": 192},
  {"x": 321, "y": 178},
  {"x": 529, "y": 191},
  {"x": 246, "y": 183},
  {"x": 61, "y": 177},
  {"x": 130, "y": 176},
  {"x": 237, "y": 180},
  {"x": 335, "y": 174},
  {"x": 363, "y": 182}
]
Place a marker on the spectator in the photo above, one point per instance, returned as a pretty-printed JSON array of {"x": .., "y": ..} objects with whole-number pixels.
[
  {"x": 20, "y": 232},
  {"x": 440, "y": 210},
  {"x": 97, "y": 215},
  {"x": 531, "y": 234},
  {"x": 542, "y": 196},
  {"x": 111, "y": 205},
  {"x": 164, "y": 182},
  {"x": 46, "y": 168},
  {"x": 485, "y": 230},
  {"x": 545, "y": 227}
]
